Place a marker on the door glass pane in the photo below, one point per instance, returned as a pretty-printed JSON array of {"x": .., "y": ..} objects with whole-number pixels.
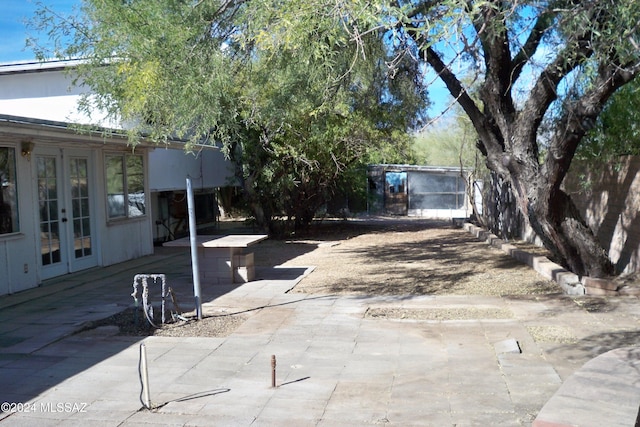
[
  {"x": 48, "y": 203},
  {"x": 52, "y": 205},
  {"x": 54, "y": 243},
  {"x": 80, "y": 207}
]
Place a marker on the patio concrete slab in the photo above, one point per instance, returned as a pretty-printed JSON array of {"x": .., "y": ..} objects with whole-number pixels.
[{"x": 335, "y": 366}]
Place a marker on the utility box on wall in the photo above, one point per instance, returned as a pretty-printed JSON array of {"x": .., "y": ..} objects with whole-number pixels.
[{"x": 425, "y": 191}]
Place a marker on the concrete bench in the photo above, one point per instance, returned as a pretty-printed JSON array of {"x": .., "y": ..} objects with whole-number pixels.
[
  {"x": 224, "y": 258},
  {"x": 603, "y": 392}
]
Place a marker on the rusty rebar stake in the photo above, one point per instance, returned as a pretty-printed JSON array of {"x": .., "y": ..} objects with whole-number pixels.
[{"x": 273, "y": 371}]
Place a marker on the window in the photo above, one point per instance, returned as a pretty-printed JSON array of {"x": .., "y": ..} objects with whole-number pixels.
[
  {"x": 125, "y": 186},
  {"x": 437, "y": 191},
  {"x": 8, "y": 196}
]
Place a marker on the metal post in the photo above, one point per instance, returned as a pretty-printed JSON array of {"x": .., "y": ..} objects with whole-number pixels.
[
  {"x": 273, "y": 371},
  {"x": 194, "y": 249},
  {"x": 144, "y": 374}
]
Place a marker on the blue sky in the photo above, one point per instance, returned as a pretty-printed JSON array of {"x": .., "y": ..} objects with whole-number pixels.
[{"x": 13, "y": 29}]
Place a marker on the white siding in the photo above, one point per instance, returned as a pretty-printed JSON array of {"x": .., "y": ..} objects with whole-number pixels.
[
  {"x": 126, "y": 240},
  {"x": 123, "y": 240},
  {"x": 46, "y": 95},
  {"x": 15, "y": 253},
  {"x": 169, "y": 168}
]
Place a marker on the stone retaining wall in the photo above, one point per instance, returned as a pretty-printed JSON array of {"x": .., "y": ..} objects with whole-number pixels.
[{"x": 568, "y": 281}]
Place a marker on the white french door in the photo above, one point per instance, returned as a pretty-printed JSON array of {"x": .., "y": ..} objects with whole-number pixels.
[{"x": 64, "y": 180}]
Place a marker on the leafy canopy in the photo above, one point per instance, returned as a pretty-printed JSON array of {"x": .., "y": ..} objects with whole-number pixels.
[
  {"x": 617, "y": 130},
  {"x": 282, "y": 89}
]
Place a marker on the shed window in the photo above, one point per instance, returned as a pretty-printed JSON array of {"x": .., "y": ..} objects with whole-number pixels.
[
  {"x": 8, "y": 195},
  {"x": 437, "y": 191},
  {"x": 125, "y": 186}
]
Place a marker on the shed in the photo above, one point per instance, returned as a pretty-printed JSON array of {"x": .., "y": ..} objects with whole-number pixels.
[{"x": 423, "y": 191}]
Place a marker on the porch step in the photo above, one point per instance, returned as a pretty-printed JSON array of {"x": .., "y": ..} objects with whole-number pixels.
[{"x": 604, "y": 392}]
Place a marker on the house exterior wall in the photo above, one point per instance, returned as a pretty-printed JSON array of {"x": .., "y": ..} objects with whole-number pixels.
[
  {"x": 38, "y": 103},
  {"x": 208, "y": 170},
  {"x": 18, "y": 261},
  {"x": 608, "y": 195},
  {"x": 113, "y": 241},
  {"x": 123, "y": 239},
  {"x": 46, "y": 92}
]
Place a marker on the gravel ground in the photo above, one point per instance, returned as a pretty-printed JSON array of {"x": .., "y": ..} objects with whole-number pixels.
[
  {"x": 382, "y": 256},
  {"x": 408, "y": 257},
  {"x": 135, "y": 324}
]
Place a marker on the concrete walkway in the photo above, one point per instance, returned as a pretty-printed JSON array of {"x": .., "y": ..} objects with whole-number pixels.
[{"x": 340, "y": 360}]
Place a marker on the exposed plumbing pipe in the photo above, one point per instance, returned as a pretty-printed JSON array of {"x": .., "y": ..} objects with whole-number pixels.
[
  {"x": 146, "y": 306},
  {"x": 194, "y": 249},
  {"x": 145, "y": 394}
]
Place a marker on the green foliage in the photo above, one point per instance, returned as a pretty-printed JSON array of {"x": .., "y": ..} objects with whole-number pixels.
[
  {"x": 295, "y": 159},
  {"x": 279, "y": 90},
  {"x": 617, "y": 131},
  {"x": 450, "y": 142}
]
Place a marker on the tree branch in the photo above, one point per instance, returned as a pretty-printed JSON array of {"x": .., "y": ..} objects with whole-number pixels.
[
  {"x": 454, "y": 85},
  {"x": 544, "y": 91},
  {"x": 542, "y": 25},
  {"x": 581, "y": 117},
  {"x": 491, "y": 28}
]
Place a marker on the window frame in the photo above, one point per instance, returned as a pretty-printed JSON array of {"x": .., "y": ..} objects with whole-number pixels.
[{"x": 126, "y": 186}]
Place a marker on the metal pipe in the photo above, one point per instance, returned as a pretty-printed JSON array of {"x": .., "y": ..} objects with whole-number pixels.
[
  {"x": 145, "y": 376},
  {"x": 194, "y": 249}
]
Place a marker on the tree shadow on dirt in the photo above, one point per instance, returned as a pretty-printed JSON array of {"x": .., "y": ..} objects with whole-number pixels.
[
  {"x": 273, "y": 252},
  {"x": 346, "y": 229},
  {"x": 456, "y": 250},
  {"x": 454, "y": 263},
  {"x": 597, "y": 344}
]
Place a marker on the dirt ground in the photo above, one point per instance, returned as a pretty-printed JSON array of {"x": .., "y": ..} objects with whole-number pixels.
[{"x": 401, "y": 256}]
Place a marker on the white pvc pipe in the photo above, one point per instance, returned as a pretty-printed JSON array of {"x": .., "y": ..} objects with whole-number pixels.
[
  {"x": 194, "y": 249},
  {"x": 145, "y": 376}
]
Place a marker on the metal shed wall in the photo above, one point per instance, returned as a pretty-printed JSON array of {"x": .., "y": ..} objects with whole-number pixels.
[{"x": 432, "y": 192}]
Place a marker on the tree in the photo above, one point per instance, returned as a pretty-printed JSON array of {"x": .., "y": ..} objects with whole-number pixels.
[
  {"x": 301, "y": 145},
  {"x": 447, "y": 143},
  {"x": 295, "y": 120},
  {"x": 553, "y": 63},
  {"x": 537, "y": 62},
  {"x": 543, "y": 69}
]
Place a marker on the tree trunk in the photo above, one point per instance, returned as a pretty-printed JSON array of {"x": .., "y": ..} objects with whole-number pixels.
[
  {"x": 556, "y": 220},
  {"x": 508, "y": 130},
  {"x": 560, "y": 222},
  {"x": 249, "y": 193}
]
